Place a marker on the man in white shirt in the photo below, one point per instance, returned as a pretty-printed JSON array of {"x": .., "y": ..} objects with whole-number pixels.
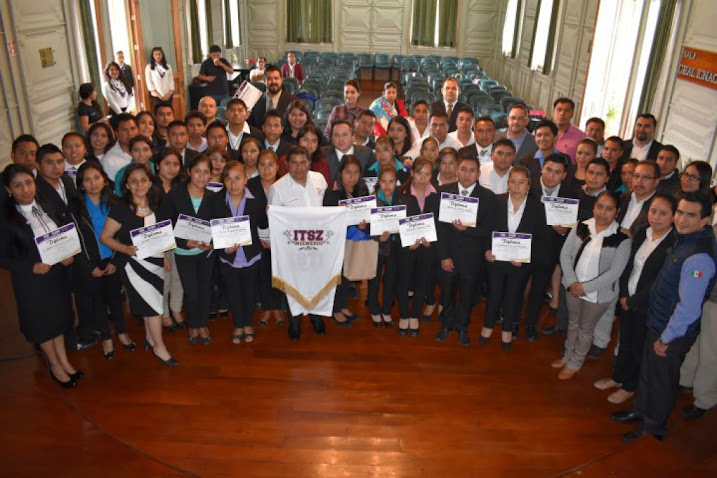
[
  {"x": 643, "y": 145},
  {"x": 118, "y": 156},
  {"x": 74, "y": 149},
  {"x": 272, "y": 128},
  {"x": 237, "y": 126},
  {"x": 363, "y": 129},
  {"x": 464, "y": 127},
  {"x": 196, "y": 124},
  {"x": 208, "y": 107},
  {"x": 438, "y": 125},
  {"x": 634, "y": 206},
  {"x": 595, "y": 128},
  {"x": 494, "y": 176},
  {"x": 484, "y": 133},
  {"x": 257, "y": 73},
  {"x": 300, "y": 188}
]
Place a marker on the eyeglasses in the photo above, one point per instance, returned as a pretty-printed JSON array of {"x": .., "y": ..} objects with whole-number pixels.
[
  {"x": 690, "y": 177},
  {"x": 517, "y": 118}
]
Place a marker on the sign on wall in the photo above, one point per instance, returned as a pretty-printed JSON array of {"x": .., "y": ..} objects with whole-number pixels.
[{"x": 698, "y": 66}]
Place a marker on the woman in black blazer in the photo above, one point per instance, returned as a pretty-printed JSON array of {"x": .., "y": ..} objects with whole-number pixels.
[
  {"x": 349, "y": 185},
  {"x": 650, "y": 247},
  {"x": 239, "y": 265},
  {"x": 94, "y": 273},
  {"x": 194, "y": 260},
  {"x": 416, "y": 261},
  {"x": 42, "y": 291},
  {"x": 507, "y": 279}
]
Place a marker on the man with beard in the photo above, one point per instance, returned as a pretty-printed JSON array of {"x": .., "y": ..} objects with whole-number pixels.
[
  {"x": 273, "y": 99},
  {"x": 643, "y": 145}
]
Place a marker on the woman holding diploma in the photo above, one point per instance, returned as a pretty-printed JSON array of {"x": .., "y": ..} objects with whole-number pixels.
[
  {"x": 142, "y": 278},
  {"x": 94, "y": 272},
  {"x": 389, "y": 248},
  {"x": 239, "y": 265},
  {"x": 194, "y": 260},
  {"x": 416, "y": 261},
  {"x": 42, "y": 291},
  {"x": 516, "y": 212},
  {"x": 271, "y": 299},
  {"x": 349, "y": 185},
  {"x": 593, "y": 258}
]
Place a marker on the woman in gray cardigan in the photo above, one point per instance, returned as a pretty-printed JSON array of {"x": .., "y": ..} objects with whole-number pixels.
[{"x": 593, "y": 258}]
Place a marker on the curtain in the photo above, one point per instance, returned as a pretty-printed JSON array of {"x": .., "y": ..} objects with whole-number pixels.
[
  {"x": 194, "y": 32},
  {"x": 424, "y": 22},
  {"x": 308, "y": 21},
  {"x": 293, "y": 18},
  {"x": 548, "y": 64},
  {"x": 228, "y": 42},
  {"x": 320, "y": 21},
  {"x": 208, "y": 16},
  {"x": 660, "y": 44},
  {"x": 93, "y": 56},
  {"x": 447, "y": 17}
]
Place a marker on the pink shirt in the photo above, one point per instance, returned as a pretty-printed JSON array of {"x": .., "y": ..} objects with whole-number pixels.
[
  {"x": 422, "y": 200},
  {"x": 568, "y": 142}
]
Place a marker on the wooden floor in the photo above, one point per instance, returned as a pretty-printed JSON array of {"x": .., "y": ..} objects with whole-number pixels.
[{"x": 357, "y": 402}]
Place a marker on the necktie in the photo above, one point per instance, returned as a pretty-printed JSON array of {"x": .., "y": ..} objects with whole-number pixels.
[
  {"x": 38, "y": 215},
  {"x": 483, "y": 152},
  {"x": 464, "y": 192},
  {"x": 449, "y": 111}
]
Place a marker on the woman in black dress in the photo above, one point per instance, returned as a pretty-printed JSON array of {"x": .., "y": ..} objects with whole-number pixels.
[
  {"x": 143, "y": 279},
  {"x": 42, "y": 321}
]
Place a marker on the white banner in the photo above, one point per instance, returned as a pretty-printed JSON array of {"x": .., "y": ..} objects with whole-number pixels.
[{"x": 307, "y": 255}]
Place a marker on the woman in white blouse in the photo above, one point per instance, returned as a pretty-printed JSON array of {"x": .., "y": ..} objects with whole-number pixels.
[
  {"x": 593, "y": 258},
  {"x": 159, "y": 77},
  {"x": 116, "y": 90}
]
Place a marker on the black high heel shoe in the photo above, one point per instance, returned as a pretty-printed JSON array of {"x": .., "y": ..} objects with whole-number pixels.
[
  {"x": 109, "y": 355},
  {"x": 147, "y": 345},
  {"x": 170, "y": 362},
  {"x": 130, "y": 347},
  {"x": 77, "y": 375},
  {"x": 69, "y": 384}
]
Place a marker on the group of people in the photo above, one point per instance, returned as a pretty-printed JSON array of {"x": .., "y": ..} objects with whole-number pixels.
[{"x": 641, "y": 247}]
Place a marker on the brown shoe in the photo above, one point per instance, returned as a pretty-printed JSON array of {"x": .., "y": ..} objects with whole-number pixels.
[
  {"x": 560, "y": 363},
  {"x": 606, "y": 383},
  {"x": 619, "y": 396},
  {"x": 567, "y": 373}
]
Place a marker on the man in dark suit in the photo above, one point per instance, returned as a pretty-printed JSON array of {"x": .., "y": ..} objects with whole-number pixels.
[
  {"x": 634, "y": 205},
  {"x": 667, "y": 159},
  {"x": 461, "y": 250},
  {"x": 482, "y": 149},
  {"x": 642, "y": 145},
  {"x": 177, "y": 138},
  {"x": 273, "y": 99},
  {"x": 272, "y": 128},
  {"x": 218, "y": 137},
  {"x": 125, "y": 69},
  {"x": 237, "y": 127},
  {"x": 342, "y": 144},
  {"x": 547, "y": 249},
  {"x": 450, "y": 104},
  {"x": 518, "y": 118}
]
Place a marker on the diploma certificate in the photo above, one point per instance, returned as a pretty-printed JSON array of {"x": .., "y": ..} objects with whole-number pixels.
[
  {"x": 193, "y": 229},
  {"x": 249, "y": 94},
  {"x": 358, "y": 209},
  {"x": 561, "y": 211},
  {"x": 416, "y": 227},
  {"x": 386, "y": 219},
  {"x": 456, "y": 207},
  {"x": 509, "y": 246},
  {"x": 153, "y": 240},
  {"x": 58, "y": 245},
  {"x": 231, "y": 231}
]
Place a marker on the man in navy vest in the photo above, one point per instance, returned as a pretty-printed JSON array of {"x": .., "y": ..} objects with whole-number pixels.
[{"x": 673, "y": 317}]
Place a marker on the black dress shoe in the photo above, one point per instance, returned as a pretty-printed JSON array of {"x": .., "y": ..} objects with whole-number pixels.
[
  {"x": 595, "y": 352},
  {"x": 442, "y": 335},
  {"x": 626, "y": 416},
  {"x": 551, "y": 330},
  {"x": 531, "y": 333},
  {"x": 109, "y": 355},
  {"x": 483, "y": 340},
  {"x": 515, "y": 331},
  {"x": 131, "y": 347},
  {"x": 345, "y": 324},
  {"x": 506, "y": 345},
  {"x": 403, "y": 332},
  {"x": 77, "y": 375},
  {"x": 640, "y": 432},
  {"x": 294, "y": 327},
  {"x": 688, "y": 413},
  {"x": 319, "y": 326},
  {"x": 463, "y": 338}
]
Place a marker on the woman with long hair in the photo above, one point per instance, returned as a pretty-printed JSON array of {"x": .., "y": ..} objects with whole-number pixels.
[
  {"x": 297, "y": 117},
  {"x": 400, "y": 132},
  {"x": 100, "y": 138},
  {"x": 387, "y": 106},
  {"x": 350, "y": 110},
  {"x": 116, "y": 89},
  {"x": 159, "y": 78}
]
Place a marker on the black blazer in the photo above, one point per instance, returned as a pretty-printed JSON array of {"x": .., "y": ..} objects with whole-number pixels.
[
  {"x": 650, "y": 270},
  {"x": 655, "y": 148},
  {"x": 364, "y": 155},
  {"x": 641, "y": 219},
  {"x": 189, "y": 155},
  {"x": 257, "y": 190},
  {"x": 670, "y": 185},
  {"x": 468, "y": 247},
  {"x": 547, "y": 248},
  {"x": 255, "y": 208},
  {"x": 52, "y": 198},
  {"x": 90, "y": 256},
  {"x": 283, "y": 149},
  {"x": 533, "y": 166},
  {"x": 532, "y": 222},
  {"x": 587, "y": 203},
  {"x": 235, "y": 154},
  {"x": 440, "y": 106},
  {"x": 177, "y": 201},
  {"x": 259, "y": 110}
]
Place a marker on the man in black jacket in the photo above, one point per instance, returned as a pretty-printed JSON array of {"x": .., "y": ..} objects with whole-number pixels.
[
  {"x": 450, "y": 104},
  {"x": 273, "y": 99},
  {"x": 642, "y": 145},
  {"x": 667, "y": 159}
]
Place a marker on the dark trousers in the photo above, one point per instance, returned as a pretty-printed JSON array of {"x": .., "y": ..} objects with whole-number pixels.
[
  {"x": 659, "y": 381},
  {"x": 195, "y": 273},
  {"x": 240, "y": 284},
  {"x": 96, "y": 297},
  {"x": 341, "y": 297},
  {"x": 270, "y": 298},
  {"x": 414, "y": 268},
  {"x": 540, "y": 276},
  {"x": 386, "y": 274},
  {"x": 456, "y": 316},
  {"x": 218, "y": 300},
  {"x": 633, "y": 328},
  {"x": 506, "y": 284}
]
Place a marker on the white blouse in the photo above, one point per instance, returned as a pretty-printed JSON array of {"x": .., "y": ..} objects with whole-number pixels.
[
  {"x": 37, "y": 219},
  {"x": 159, "y": 79},
  {"x": 645, "y": 250},
  {"x": 514, "y": 217},
  {"x": 118, "y": 97},
  {"x": 588, "y": 266}
]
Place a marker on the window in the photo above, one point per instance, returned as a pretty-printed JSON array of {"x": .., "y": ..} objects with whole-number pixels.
[
  {"x": 308, "y": 21},
  {"x": 231, "y": 24},
  {"x": 511, "y": 28},
  {"x": 541, "y": 55},
  {"x": 199, "y": 28},
  {"x": 434, "y": 23}
]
